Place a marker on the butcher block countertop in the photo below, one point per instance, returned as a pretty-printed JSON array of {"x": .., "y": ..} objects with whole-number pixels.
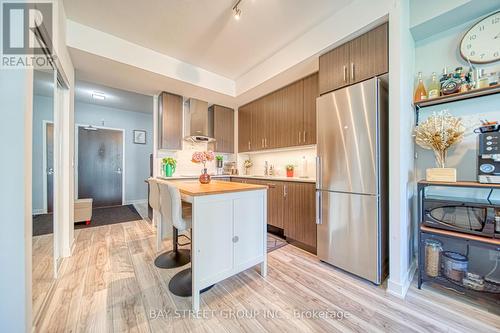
[{"x": 195, "y": 188}]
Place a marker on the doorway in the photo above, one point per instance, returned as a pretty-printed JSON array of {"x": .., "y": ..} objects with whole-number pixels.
[
  {"x": 100, "y": 165},
  {"x": 49, "y": 165}
]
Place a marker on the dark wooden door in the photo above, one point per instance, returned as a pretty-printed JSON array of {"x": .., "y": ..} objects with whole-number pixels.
[
  {"x": 244, "y": 128},
  {"x": 334, "y": 69},
  {"x": 170, "y": 111},
  {"x": 100, "y": 169},
  {"x": 299, "y": 213},
  {"x": 224, "y": 129},
  {"x": 369, "y": 55},
  {"x": 49, "y": 168},
  {"x": 311, "y": 92}
]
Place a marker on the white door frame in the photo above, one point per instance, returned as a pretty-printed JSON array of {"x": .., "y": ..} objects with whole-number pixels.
[{"x": 77, "y": 125}]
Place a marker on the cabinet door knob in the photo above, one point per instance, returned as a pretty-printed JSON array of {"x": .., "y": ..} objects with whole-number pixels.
[{"x": 236, "y": 239}]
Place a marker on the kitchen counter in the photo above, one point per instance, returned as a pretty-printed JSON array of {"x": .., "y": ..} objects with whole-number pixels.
[
  {"x": 178, "y": 177},
  {"x": 277, "y": 178},
  {"x": 195, "y": 188}
]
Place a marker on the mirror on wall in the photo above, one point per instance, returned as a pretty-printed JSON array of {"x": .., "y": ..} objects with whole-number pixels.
[{"x": 43, "y": 268}]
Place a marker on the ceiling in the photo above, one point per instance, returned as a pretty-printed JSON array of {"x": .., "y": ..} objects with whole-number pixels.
[
  {"x": 114, "y": 98},
  {"x": 203, "y": 32}
]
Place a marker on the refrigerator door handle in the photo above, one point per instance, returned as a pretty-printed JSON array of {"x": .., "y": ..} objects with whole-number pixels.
[
  {"x": 318, "y": 208},
  {"x": 318, "y": 172}
]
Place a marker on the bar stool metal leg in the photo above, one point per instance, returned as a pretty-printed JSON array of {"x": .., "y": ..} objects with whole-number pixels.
[
  {"x": 175, "y": 258},
  {"x": 180, "y": 284}
]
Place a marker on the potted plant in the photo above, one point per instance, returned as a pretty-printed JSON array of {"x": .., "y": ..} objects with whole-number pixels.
[
  {"x": 169, "y": 164},
  {"x": 202, "y": 157},
  {"x": 219, "y": 159},
  {"x": 289, "y": 170},
  {"x": 438, "y": 133}
]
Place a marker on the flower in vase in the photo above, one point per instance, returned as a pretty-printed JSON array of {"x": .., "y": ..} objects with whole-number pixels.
[{"x": 202, "y": 157}]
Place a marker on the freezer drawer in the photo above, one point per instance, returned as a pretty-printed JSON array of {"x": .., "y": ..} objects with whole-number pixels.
[{"x": 349, "y": 233}]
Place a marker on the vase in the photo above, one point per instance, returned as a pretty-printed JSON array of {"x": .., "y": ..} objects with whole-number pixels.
[
  {"x": 289, "y": 173},
  {"x": 169, "y": 170},
  {"x": 219, "y": 164},
  {"x": 205, "y": 177}
]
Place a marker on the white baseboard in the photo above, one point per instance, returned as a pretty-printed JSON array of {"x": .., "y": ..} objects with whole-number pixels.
[
  {"x": 39, "y": 211},
  {"x": 136, "y": 202},
  {"x": 400, "y": 289}
]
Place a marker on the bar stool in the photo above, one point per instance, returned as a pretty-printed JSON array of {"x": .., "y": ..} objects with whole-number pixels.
[
  {"x": 171, "y": 214},
  {"x": 170, "y": 201}
]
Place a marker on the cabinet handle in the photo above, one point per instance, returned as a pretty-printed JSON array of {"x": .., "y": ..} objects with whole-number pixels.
[
  {"x": 265, "y": 142},
  {"x": 352, "y": 71},
  {"x": 285, "y": 193},
  {"x": 249, "y": 145},
  {"x": 304, "y": 136},
  {"x": 345, "y": 73},
  {"x": 262, "y": 144},
  {"x": 299, "y": 137}
]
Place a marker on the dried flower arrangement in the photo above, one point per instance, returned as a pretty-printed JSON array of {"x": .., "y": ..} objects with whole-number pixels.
[{"x": 439, "y": 132}]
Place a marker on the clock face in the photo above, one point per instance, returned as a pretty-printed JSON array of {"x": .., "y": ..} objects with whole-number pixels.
[{"x": 481, "y": 44}]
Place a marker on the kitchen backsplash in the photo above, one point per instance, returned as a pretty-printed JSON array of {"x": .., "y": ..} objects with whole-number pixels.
[
  {"x": 304, "y": 159},
  {"x": 183, "y": 157}
]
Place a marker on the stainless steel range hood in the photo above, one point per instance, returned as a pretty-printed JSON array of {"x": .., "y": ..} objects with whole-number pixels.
[{"x": 201, "y": 121}]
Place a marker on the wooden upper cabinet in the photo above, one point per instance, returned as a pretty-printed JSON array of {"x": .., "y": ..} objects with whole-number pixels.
[
  {"x": 333, "y": 69},
  {"x": 290, "y": 127},
  {"x": 244, "y": 128},
  {"x": 223, "y": 129},
  {"x": 170, "y": 121},
  {"x": 369, "y": 55},
  {"x": 299, "y": 213},
  {"x": 311, "y": 92},
  {"x": 360, "y": 59}
]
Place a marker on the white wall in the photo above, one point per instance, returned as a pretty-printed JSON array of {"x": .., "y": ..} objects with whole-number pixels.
[
  {"x": 432, "y": 55},
  {"x": 16, "y": 88},
  {"x": 401, "y": 164},
  {"x": 136, "y": 155}
]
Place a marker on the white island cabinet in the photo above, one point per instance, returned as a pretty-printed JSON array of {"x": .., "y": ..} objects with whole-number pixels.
[{"x": 229, "y": 233}]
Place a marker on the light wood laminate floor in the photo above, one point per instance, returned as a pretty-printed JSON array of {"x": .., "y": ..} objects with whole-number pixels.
[
  {"x": 111, "y": 285},
  {"x": 42, "y": 275}
]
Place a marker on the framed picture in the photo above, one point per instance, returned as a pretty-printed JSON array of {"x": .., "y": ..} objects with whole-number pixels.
[{"x": 140, "y": 137}]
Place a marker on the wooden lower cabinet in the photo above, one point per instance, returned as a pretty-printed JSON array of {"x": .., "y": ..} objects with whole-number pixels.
[
  {"x": 291, "y": 206},
  {"x": 300, "y": 213}
]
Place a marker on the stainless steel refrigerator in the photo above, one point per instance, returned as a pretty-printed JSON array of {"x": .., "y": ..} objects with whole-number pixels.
[{"x": 352, "y": 168}]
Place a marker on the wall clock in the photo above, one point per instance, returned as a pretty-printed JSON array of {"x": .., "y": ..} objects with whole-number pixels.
[{"x": 481, "y": 44}]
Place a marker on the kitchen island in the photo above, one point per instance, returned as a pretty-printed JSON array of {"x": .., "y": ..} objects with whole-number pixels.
[{"x": 228, "y": 232}]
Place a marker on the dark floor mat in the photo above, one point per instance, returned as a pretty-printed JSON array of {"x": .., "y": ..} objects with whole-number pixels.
[{"x": 42, "y": 224}]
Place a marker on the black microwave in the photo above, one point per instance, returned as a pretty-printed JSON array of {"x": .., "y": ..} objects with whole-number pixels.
[{"x": 467, "y": 217}]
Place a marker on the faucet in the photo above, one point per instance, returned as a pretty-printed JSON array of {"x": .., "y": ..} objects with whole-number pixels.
[{"x": 266, "y": 168}]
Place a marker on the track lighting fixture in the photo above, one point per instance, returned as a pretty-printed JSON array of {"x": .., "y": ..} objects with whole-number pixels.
[{"x": 237, "y": 10}]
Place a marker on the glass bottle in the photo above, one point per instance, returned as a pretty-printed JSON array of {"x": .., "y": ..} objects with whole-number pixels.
[
  {"x": 434, "y": 87},
  {"x": 420, "y": 91}
]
